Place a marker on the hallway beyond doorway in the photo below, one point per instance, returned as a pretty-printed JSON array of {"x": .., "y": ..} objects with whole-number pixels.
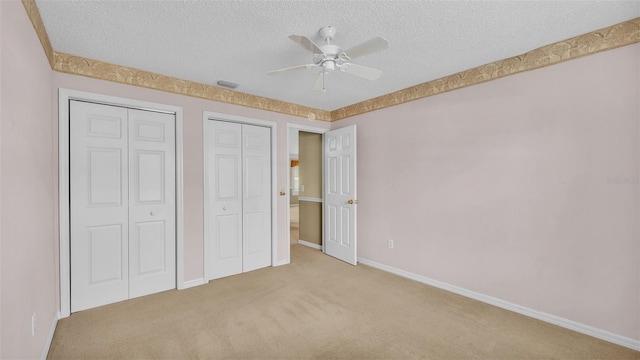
[{"x": 294, "y": 211}]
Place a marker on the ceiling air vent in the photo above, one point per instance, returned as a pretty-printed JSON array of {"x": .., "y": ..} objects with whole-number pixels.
[{"x": 227, "y": 84}]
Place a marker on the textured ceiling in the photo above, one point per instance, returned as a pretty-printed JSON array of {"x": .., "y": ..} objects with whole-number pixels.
[{"x": 239, "y": 41}]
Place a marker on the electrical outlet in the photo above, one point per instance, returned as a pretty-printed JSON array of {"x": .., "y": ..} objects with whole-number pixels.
[
  {"x": 390, "y": 243},
  {"x": 33, "y": 324}
]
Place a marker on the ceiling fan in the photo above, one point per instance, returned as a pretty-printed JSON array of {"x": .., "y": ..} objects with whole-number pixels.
[{"x": 330, "y": 57}]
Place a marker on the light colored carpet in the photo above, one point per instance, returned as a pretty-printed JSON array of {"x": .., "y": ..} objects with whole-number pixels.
[{"x": 316, "y": 308}]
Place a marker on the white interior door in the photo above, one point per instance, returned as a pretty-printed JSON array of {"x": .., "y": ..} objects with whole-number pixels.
[
  {"x": 256, "y": 206},
  {"x": 152, "y": 205},
  {"x": 224, "y": 185},
  {"x": 238, "y": 187},
  {"x": 340, "y": 201},
  {"x": 122, "y": 189},
  {"x": 99, "y": 205}
]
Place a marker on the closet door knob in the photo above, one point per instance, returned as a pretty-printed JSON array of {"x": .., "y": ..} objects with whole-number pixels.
[
  {"x": 224, "y": 208},
  {"x": 152, "y": 213}
]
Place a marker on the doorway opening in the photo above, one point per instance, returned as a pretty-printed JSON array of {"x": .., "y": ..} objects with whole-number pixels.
[
  {"x": 294, "y": 189},
  {"x": 305, "y": 180}
]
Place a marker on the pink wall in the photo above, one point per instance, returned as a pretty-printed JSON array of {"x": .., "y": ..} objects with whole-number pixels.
[
  {"x": 193, "y": 155},
  {"x": 524, "y": 189},
  {"x": 28, "y": 221}
]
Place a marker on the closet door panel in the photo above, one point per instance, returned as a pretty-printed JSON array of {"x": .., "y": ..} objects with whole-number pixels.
[
  {"x": 152, "y": 234},
  {"x": 256, "y": 159},
  {"x": 224, "y": 184},
  {"x": 99, "y": 205}
]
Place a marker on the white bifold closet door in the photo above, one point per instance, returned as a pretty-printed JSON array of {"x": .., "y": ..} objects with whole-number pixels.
[
  {"x": 238, "y": 176},
  {"x": 122, "y": 186}
]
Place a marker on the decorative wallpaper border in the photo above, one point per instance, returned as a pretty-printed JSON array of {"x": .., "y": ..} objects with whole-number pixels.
[
  {"x": 622, "y": 34},
  {"x": 34, "y": 15},
  {"x": 77, "y": 65}
]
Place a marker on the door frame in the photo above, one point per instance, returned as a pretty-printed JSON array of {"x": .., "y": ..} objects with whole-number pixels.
[
  {"x": 64, "y": 95},
  {"x": 212, "y": 116},
  {"x": 310, "y": 129}
]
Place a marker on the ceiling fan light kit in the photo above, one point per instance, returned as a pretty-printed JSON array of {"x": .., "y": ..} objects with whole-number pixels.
[{"x": 331, "y": 57}]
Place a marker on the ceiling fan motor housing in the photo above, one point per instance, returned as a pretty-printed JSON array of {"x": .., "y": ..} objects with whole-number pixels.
[
  {"x": 330, "y": 57},
  {"x": 331, "y": 51}
]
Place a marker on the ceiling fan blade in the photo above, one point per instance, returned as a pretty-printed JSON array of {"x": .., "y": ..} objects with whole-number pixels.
[
  {"x": 319, "y": 84},
  {"x": 367, "y": 47},
  {"x": 297, "y": 67},
  {"x": 306, "y": 43},
  {"x": 361, "y": 71}
]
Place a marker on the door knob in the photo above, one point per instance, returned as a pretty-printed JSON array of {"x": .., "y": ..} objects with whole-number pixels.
[
  {"x": 224, "y": 208},
  {"x": 152, "y": 212},
  {"x": 351, "y": 202}
]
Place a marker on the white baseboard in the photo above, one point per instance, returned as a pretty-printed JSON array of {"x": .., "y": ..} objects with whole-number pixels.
[
  {"x": 309, "y": 244},
  {"x": 556, "y": 320},
  {"x": 52, "y": 330},
  {"x": 280, "y": 263},
  {"x": 192, "y": 283}
]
